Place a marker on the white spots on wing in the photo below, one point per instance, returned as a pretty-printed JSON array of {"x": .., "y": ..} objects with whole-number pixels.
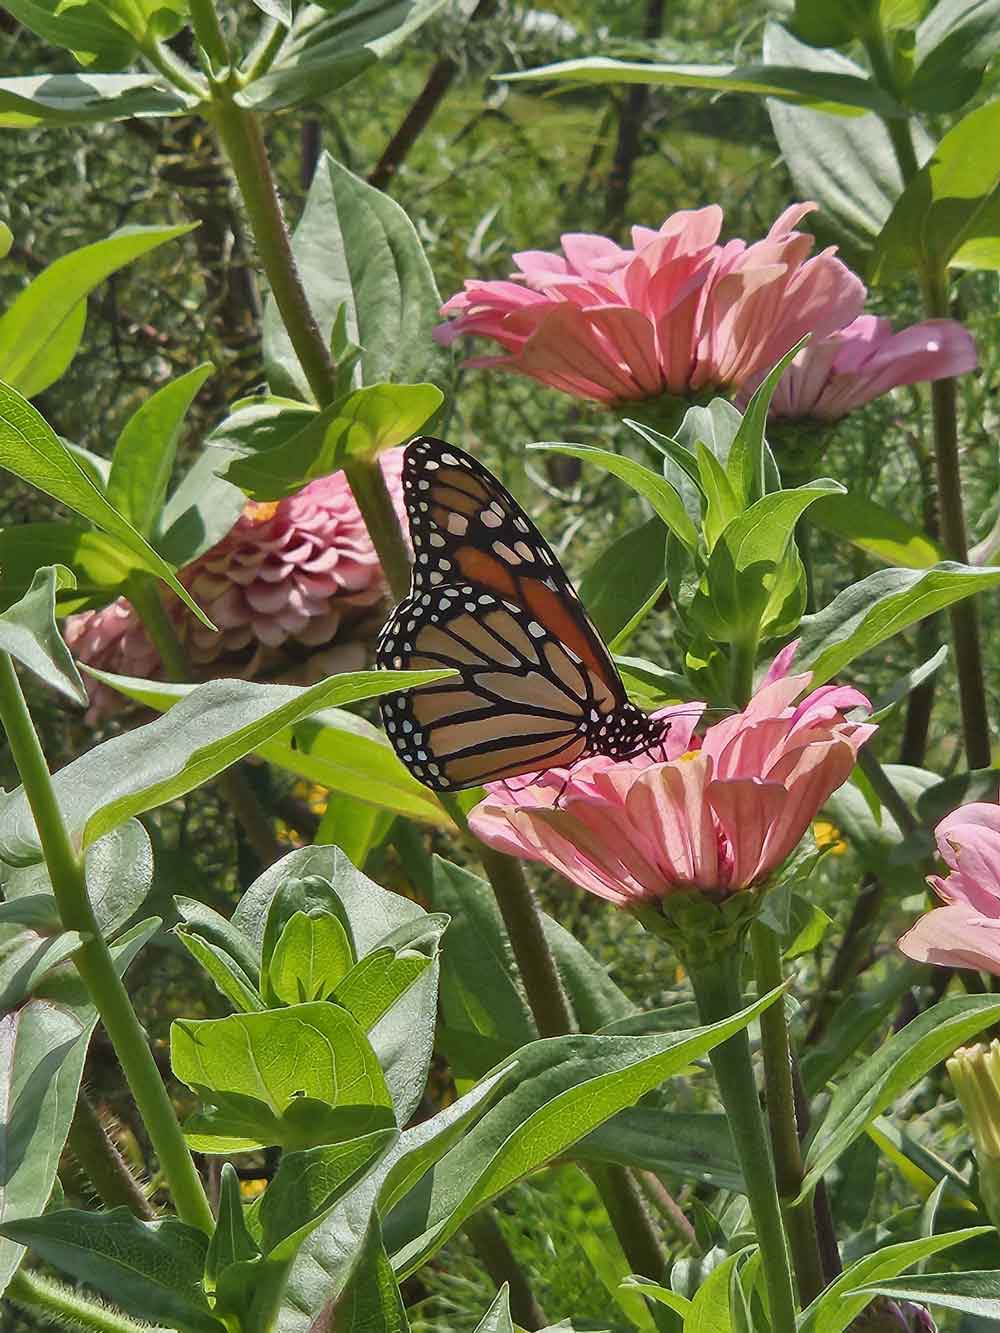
[
  {"x": 535, "y": 630},
  {"x": 521, "y": 524},
  {"x": 489, "y": 519},
  {"x": 505, "y": 553},
  {"x": 431, "y": 465},
  {"x": 457, "y": 524},
  {"x": 546, "y": 556},
  {"x": 486, "y": 600},
  {"x": 435, "y": 577},
  {"x": 423, "y": 484},
  {"x": 524, "y": 550},
  {"x": 436, "y": 539},
  {"x": 574, "y": 657},
  {"x": 450, "y": 459}
]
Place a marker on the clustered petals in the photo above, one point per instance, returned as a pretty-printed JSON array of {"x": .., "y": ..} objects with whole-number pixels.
[
  {"x": 302, "y": 569},
  {"x": 965, "y": 932},
  {"x": 832, "y": 376},
  {"x": 675, "y": 313},
  {"x": 720, "y": 813}
]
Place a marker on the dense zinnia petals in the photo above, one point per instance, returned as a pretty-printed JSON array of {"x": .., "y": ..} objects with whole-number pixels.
[
  {"x": 834, "y": 375},
  {"x": 966, "y": 931},
  {"x": 721, "y": 814},
  {"x": 300, "y": 569},
  {"x": 676, "y": 313}
]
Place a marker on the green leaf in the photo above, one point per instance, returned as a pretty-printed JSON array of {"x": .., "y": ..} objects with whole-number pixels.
[
  {"x": 119, "y": 872},
  {"x": 280, "y": 1076},
  {"x": 897, "y": 1064},
  {"x": 200, "y": 511},
  {"x": 226, "y": 936},
  {"x": 684, "y": 1146},
  {"x": 144, "y": 455},
  {"x": 938, "y": 799},
  {"x": 372, "y": 1298},
  {"x": 745, "y": 558},
  {"x": 654, "y": 1292},
  {"x": 229, "y": 978},
  {"x": 311, "y": 956},
  {"x": 954, "y": 45},
  {"x": 836, "y": 1308},
  {"x": 32, "y": 451},
  {"x": 43, "y": 1044},
  {"x": 886, "y": 702},
  {"x": 359, "y": 425},
  {"x": 100, "y": 564},
  {"x": 359, "y": 254},
  {"x": 28, "y": 953},
  {"x": 307, "y": 895},
  {"x": 28, "y": 632},
  {"x": 231, "y": 1242},
  {"x": 594, "y": 997},
  {"x": 383, "y": 976},
  {"x": 942, "y": 205},
  {"x": 325, "y": 51},
  {"x": 711, "y": 1309},
  {"x": 745, "y": 461},
  {"x": 32, "y": 351},
  {"x": 497, "y": 1318},
  {"x": 833, "y": 93},
  {"x": 85, "y": 29},
  {"x": 484, "y": 1013},
  {"x": 565, "y": 1087},
  {"x": 356, "y": 827},
  {"x": 79, "y": 99},
  {"x": 149, "y": 1269},
  {"x": 404, "y": 1037},
  {"x": 660, "y": 494},
  {"x": 881, "y": 605},
  {"x": 214, "y": 726},
  {"x": 333, "y": 748},
  {"x": 876, "y": 530},
  {"x": 847, "y": 165},
  {"x": 972, "y": 1293},
  {"x": 625, "y": 578},
  {"x": 309, "y": 1184},
  {"x": 855, "y": 1020}
]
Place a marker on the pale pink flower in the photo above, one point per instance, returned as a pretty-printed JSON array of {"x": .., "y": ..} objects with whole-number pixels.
[
  {"x": 965, "y": 932},
  {"x": 719, "y": 814},
  {"x": 302, "y": 569},
  {"x": 676, "y": 313},
  {"x": 834, "y": 375}
]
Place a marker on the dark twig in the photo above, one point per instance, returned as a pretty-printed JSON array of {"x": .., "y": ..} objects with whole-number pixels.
[{"x": 630, "y": 125}]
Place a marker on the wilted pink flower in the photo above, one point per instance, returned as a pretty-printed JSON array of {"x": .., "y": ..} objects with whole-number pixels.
[
  {"x": 677, "y": 313},
  {"x": 294, "y": 569},
  {"x": 832, "y": 376},
  {"x": 965, "y": 932},
  {"x": 719, "y": 814}
]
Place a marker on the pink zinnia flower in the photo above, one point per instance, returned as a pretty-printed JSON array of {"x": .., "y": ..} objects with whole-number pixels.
[
  {"x": 300, "y": 569},
  {"x": 675, "y": 314},
  {"x": 720, "y": 814},
  {"x": 966, "y": 932},
  {"x": 834, "y": 375}
]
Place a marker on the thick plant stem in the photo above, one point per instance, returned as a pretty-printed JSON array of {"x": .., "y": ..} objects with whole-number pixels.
[
  {"x": 144, "y": 594},
  {"x": 498, "y": 1259},
  {"x": 624, "y": 1202},
  {"x": 241, "y": 137},
  {"x": 716, "y": 982},
  {"x": 94, "y": 962},
  {"x": 800, "y": 1219},
  {"x": 743, "y": 658},
  {"x": 91, "y": 1145},
  {"x": 58, "y": 1304}
]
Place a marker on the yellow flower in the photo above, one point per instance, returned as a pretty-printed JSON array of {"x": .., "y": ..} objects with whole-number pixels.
[
  {"x": 827, "y": 836},
  {"x": 250, "y": 1189}
]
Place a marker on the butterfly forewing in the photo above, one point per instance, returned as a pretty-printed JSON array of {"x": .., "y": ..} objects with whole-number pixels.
[{"x": 537, "y": 686}]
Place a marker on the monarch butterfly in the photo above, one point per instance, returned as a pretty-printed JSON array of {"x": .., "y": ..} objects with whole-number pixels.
[{"x": 538, "y": 688}]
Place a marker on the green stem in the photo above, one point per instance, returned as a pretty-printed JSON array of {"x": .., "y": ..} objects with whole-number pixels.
[
  {"x": 885, "y": 789},
  {"x": 241, "y": 137},
  {"x": 716, "y": 982},
  {"x": 63, "y": 1305},
  {"x": 208, "y": 31},
  {"x": 944, "y": 408},
  {"x": 743, "y": 659},
  {"x": 93, "y": 959},
  {"x": 91, "y": 1145},
  {"x": 800, "y": 1219},
  {"x": 175, "y": 70},
  {"x": 265, "y": 51}
]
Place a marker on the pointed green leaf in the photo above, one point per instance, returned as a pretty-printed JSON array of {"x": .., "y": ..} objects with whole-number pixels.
[
  {"x": 954, "y": 45},
  {"x": 975, "y": 1293},
  {"x": 881, "y": 605},
  {"x": 897, "y": 1064},
  {"x": 149, "y": 1269},
  {"x": 880, "y": 532},
  {"x": 695, "y": 1147},
  {"x": 625, "y": 578},
  {"x": 29, "y": 633},
  {"x": 231, "y": 1242},
  {"x": 359, "y": 425},
  {"x": 214, "y": 726},
  {"x": 79, "y": 99},
  {"x": 312, "y": 955},
  {"x": 143, "y": 459},
  {"x": 100, "y": 564},
  {"x": 229, "y": 978},
  {"x": 372, "y": 1299},
  {"x": 565, "y": 1087},
  {"x": 836, "y": 1308},
  {"x": 33, "y": 351},
  {"x": 497, "y": 1318},
  {"x": 660, "y": 494},
  {"x": 711, "y": 1309},
  {"x": 383, "y": 976},
  {"x": 252, "y": 1068},
  {"x": 32, "y": 451}
]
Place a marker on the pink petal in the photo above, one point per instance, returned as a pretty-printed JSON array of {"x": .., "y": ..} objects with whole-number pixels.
[{"x": 955, "y": 936}]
